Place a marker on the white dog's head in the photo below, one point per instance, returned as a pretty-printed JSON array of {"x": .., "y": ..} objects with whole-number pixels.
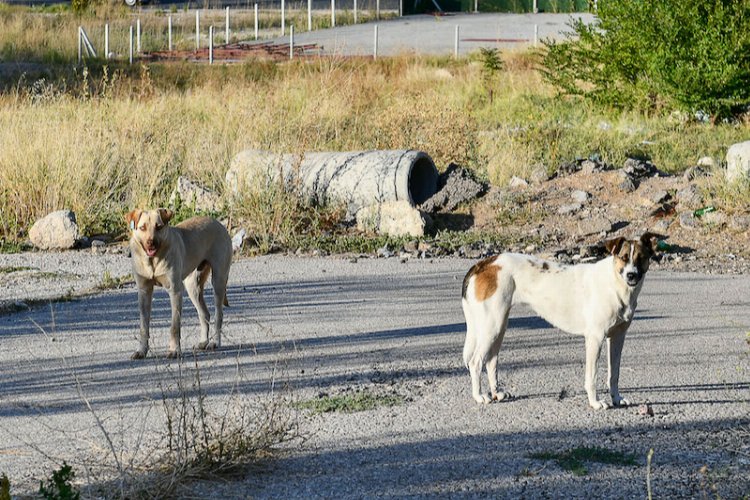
[
  {"x": 147, "y": 228},
  {"x": 632, "y": 257}
]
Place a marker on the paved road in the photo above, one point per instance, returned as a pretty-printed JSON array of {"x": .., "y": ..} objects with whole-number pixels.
[
  {"x": 426, "y": 34},
  {"x": 301, "y": 327}
]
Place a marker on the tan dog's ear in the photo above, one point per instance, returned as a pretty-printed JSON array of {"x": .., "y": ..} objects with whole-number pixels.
[
  {"x": 613, "y": 245},
  {"x": 651, "y": 240},
  {"x": 165, "y": 215},
  {"x": 132, "y": 218}
]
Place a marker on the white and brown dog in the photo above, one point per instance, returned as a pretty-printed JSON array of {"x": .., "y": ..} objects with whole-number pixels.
[
  {"x": 595, "y": 300},
  {"x": 177, "y": 258}
]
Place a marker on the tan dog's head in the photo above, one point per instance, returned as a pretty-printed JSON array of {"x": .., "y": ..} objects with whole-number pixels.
[
  {"x": 632, "y": 257},
  {"x": 147, "y": 228}
]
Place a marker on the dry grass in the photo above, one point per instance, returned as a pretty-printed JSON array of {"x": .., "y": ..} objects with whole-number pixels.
[{"x": 102, "y": 140}]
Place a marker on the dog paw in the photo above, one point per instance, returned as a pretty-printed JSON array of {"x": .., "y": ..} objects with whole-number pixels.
[
  {"x": 482, "y": 399},
  {"x": 138, "y": 355},
  {"x": 599, "y": 405},
  {"x": 205, "y": 346},
  {"x": 500, "y": 396},
  {"x": 620, "y": 402}
]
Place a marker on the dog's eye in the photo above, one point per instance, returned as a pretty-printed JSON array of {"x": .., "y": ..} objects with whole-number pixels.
[
  {"x": 142, "y": 228},
  {"x": 624, "y": 258}
]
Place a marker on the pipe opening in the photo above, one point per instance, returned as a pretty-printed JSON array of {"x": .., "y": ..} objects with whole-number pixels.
[{"x": 423, "y": 179}]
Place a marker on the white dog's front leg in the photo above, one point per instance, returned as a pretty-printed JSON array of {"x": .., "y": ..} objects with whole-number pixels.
[
  {"x": 615, "y": 343},
  {"x": 593, "y": 348},
  {"x": 145, "y": 294}
]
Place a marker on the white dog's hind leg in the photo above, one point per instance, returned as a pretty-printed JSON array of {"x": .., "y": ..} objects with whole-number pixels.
[
  {"x": 593, "y": 348},
  {"x": 615, "y": 343},
  {"x": 492, "y": 361}
]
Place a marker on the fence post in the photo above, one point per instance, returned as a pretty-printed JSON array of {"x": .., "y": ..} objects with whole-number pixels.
[
  {"x": 355, "y": 11},
  {"x": 377, "y": 10},
  {"x": 80, "y": 46},
  {"x": 210, "y": 45},
  {"x": 535, "y": 7},
  {"x": 138, "y": 36},
  {"x": 283, "y": 17},
  {"x": 333, "y": 13},
  {"x": 130, "y": 45},
  {"x": 375, "y": 44},
  {"x": 536, "y": 35},
  {"x": 455, "y": 43},
  {"x": 197, "y": 29},
  {"x": 106, "y": 41},
  {"x": 169, "y": 32},
  {"x": 256, "y": 20},
  {"x": 309, "y": 15},
  {"x": 400, "y": 8},
  {"x": 476, "y": 6},
  {"x": 226, "y": 30},
  {"x": 291, "y": 42}
]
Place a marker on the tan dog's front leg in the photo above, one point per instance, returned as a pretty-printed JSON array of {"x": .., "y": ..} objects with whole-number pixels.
[
  {"x": 175, "y": 300},
  {"x": 145, "y": 294},
  {"x": 593, "y": 348}
]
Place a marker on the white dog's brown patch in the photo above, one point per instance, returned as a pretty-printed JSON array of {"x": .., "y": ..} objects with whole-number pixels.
[{"x": 485, "y": 282}]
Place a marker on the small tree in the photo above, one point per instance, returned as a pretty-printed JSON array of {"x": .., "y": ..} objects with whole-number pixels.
[{"x": 692, "y": 55}]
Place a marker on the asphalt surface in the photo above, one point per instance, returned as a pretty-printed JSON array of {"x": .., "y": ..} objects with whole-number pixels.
[
  {"x": 436, "y": 35},
  {"x": 301, "y": 327}
]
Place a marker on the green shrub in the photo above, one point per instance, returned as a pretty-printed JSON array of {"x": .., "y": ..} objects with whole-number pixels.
[
  {"x": 691, "y": 55},
  {"x": 59, "y": 486}
]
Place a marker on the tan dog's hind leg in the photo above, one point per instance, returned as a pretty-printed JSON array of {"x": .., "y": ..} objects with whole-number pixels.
[
  {"x": 195, "y": 284},
  {"x": 145, "y": 295},
  {"x": 615, "y": 342},
  {"x": 175, "y": 300},
  {"x": 593, "y": 348},
  {"x": 219, "y": 283}
]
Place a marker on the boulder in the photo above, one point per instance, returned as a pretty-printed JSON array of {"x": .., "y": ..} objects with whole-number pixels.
[
  {"x": 193, "y": 195},
  {"x": 55, "y": 231},
  {"x": 690, "y": 197},
  {"x": 393, "y": 218},
  {"x": 580, "y": 196},
  {"x": 738, "y": 162},
  {"x": 455, "y": 186},
  {"x": 517, "y": 182}
]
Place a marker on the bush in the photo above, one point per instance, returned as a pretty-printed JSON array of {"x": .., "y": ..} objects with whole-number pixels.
[{"x": 691, "y": 55}]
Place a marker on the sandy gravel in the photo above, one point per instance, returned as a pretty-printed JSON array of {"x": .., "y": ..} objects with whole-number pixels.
[{"x": 303, "y": 327}]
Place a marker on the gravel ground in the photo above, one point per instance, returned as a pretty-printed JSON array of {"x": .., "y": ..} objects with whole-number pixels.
[{"x": 332, "y": 326}]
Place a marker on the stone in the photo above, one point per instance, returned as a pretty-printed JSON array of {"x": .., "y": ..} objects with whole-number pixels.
[
  {"x": 393, "y": 218},
  {"x": 738, "y": 162},
  {"x": 239, "y": 239},
  {"x": 715, "y": 219},
  {"x": 594, "y": 225},
  {"x": 591, "y": 166},
  {"x": 688, "y": 220},
  {"x": 661, "y": 197},
  {"x": 455, "y": 186},
  {"x": 706, "y": 162},
  {"x": 661, "y": 226},
  {"x": 192, "y": 195},
  {"x": 693, "y": 173},
  {"x": 640, "y": 169},
  {"x": 739, "y": 222},
  {"x": 580, "y": 196},
  {"x": 517, "y": 182},
  {"x": 690, "y": 197},
  {"x": 539, "y": 175},
  {"x": 55, "y": 231},
  {"x": 411, "y": 246},
  {"x": 569, "y": 209},
  {"x": 627, "y": 183}
]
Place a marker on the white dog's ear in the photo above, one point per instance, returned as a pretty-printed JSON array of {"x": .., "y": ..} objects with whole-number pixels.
[
  {"x": 165, "y": 215},
  {"x": 651, "y": 240},
  {"x": 613, "y": 245},
  {"x": 132, "y": 218}
]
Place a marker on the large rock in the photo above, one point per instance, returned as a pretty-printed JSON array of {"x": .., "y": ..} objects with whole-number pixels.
[
  {"x": 55, "y": 231},
  {"x": 455, "y": 186},
  {"x": 394, "y": 218},
  {"x": 195, "y": 196},
  {"x": 738, "y": 162}
]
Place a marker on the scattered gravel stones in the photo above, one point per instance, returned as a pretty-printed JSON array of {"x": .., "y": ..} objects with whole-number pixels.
[
  {"x": 455, "y": 186},
  {"x": 627, "y": 182},
  {"x": 569, "y": 209},
  {"x": 688, "y": 220},
  {"x": 661, "y": 197},
  {"x": 715, "y": 219},
  {"x": 55, "y": 231},
  {"x": 640, "y": 169},
  {"x": 594, "y": 225},
  {"x": 739, "y": 222}
]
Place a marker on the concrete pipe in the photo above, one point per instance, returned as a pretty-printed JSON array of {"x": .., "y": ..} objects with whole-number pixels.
[{"x": 355, "y": 179}]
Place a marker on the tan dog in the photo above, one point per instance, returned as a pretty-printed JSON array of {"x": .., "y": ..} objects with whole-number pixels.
[
  {"x": 174, "y": 257},
  {"x": 596, "y": 301}
]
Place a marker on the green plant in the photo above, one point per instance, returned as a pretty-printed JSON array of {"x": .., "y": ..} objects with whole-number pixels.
[
  {"x": 59, "y": 486},
  {"x": 4, "y": 487},
  {"x": 573, "y": 460},
  {"x": 692, "y": 55},
  {"x": 350, "y": 402},
  {"x": 491, "y": 66}
]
